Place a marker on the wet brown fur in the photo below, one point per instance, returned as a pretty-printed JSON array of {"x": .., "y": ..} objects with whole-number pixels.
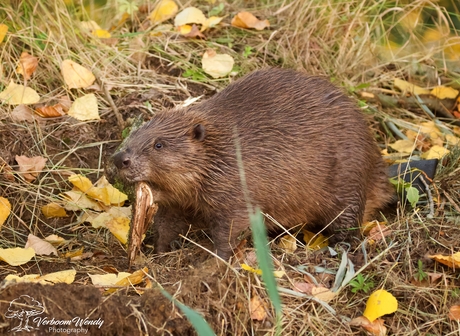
[{"x": 307, "y": 152}]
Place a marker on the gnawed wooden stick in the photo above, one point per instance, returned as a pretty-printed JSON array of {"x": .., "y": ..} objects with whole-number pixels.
[{"x": 144, "y": 210}]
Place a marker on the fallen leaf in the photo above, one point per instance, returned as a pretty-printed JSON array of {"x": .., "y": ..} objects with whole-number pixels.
[
  {"x": 376, "y": 328},
  {"x": 30, "y": 167},
  {"x": 115, "y": 196},
  {"x": 40, "y": 246},
  {"x": 322, "y": 293},
  {"x": 379, "y": 232},
  {"x": 50, "y": 111},
  {"x": 250, "y": 269},
  {"x": 107, "y": 280},
  {"x": 89, "y": 26},
  {"x": 23, "y": 113},
  {"x": 217, "y": 65},
  {"x": 380, "y": 303},
  {"x": 452, "y": 140},
  {"x": 85, "y": 108},
  {"x": 101, "y": 33},
  {"x": 257, "y": 309},
  {"x": 405, "y": 86},
  {"x": 211, "y": 22},
  {"x": 454, "y": 313},
  {"x": 27, "y": 65},
  {"x": 3, "y": 31},
  {"x": 5, "y": 210},
  {"x": 435, "y": 152},
  {"x": 303, "y": 287},
  {"x": 67, "y": 276},
  {"x": 77, "y": 200},
  {"x": 16, "y": 94},
  {"x": 288, "y": 243},
  {"x": 189, "y": 15},
  {"x": 76, "y": 76},
  {"x": 74, "y": 253},
  {"x": 133, "y": 279},
  {"x": 403, "y": 146},
  {"x": 430, "y": 129},
  {"x": 444, "y": 92},
  {"x": 55, "y": 240},
  {"x": 16, "y": 256},
  {"x": 190, "y": 31},
  {"x": 53, "y": 210},
  {"x": 314, "y": 241},
  {"x": 248, "y": 20},
  {"x": 165, "y": 10},
  {"x": 452, "y": 260}
]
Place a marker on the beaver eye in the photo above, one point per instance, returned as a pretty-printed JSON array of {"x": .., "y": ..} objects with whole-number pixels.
[{"x": 158, "y": 145}]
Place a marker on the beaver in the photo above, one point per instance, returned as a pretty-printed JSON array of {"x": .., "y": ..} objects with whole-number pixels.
[{"x": 306, "y": 150}]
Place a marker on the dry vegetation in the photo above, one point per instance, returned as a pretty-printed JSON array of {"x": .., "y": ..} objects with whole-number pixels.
[{"x": 343, "y": 39}]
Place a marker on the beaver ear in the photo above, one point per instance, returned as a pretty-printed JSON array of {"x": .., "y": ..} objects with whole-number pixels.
[{"x": 199, "y": 132}]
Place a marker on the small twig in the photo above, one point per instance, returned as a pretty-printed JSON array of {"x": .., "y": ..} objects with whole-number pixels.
[
  {"x": 120, "y": 121},
  {"x": 430, "y": 198}
]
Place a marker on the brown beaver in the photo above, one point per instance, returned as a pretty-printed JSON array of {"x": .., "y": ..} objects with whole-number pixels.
[{"x": 306, "y": 149}]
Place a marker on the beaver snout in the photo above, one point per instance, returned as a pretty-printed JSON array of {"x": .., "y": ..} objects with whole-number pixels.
[{"x": 122, "y": 159}]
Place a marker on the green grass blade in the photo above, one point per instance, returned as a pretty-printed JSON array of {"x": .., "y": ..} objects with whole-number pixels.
[{"x": 202, "y": 327}]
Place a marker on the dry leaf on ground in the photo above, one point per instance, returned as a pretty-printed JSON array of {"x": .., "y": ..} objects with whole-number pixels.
[
  {"x": 288, "y": 243},
  {"x": 101, "y": 33},
  {"x": 52, "y": 111},
  {"x": 53, "y": 210},
  {"x": 189, "y": 15},
  {"x": 217, "y": 65},
  {"x": 403, "y": 146},
  {"x": 190, "y": 31},
  {"x": 3, "y": 31},
  {"x": 163, "y": 11},
  {"x": 27, "y": 65},
  {"x": 444, "y": 92},
  {"x": 40, "y": 246},
  {"x": 314, "y": 241},
  {"x": 5, "y": 210},
  {"x": 85, "y": 108},
  {"x": 407, "y": 87},
  {"x": 67, "y": 276},
  {"x": 17, "y": 256},
  {"x": 376, "y": 327},
  {"x": 23, "y": 113},
  {"x": 435, "y": 152},
  {"x": 30, "y": 167},
  {"x": 75, "y": 75},
  {"x": 107, "y": 280},
  {"x": 454, "y": 313},
  {"x": 16, "y": 94},
  {"x": 211, "y": 22},
  {"x": 452, "y": 260},
  {"x": 380, "y": 303},
  {"x": 248, "y": 20},
  {"x": 257, "y": 308}
]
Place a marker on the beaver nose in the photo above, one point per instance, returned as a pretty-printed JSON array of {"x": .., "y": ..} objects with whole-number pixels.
[{"x": 122, "y": 159}]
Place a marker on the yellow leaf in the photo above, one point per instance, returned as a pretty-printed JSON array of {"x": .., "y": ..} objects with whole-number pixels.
[
  {"x": 403, "y": 146},
  {"x": 16, "y": 94},
  {"x": 67, "y": 276},
  {"x": 211, "y": 22},
  {"x": 85, "y": 108},
  {"x": 74, "y": 253},
  {"x": 17, "y": 256},
  {"x": 250, "y": 269},
  {"x": 410, "y": 88},
  {"x": 5, "y": 210},
  {"x": 454, "y": 313},
  {"x": 432, "y": 35},
  {"x": 3, "y": 31},
  {"x": 101, "y": 33},
  {"x": 452, "y": 260},
  {"x": 53, "y": 210},
  {"x": 189, "y": 15},
  {"x": 257, "y": 309},
  {"x": 380, "y": 303},
  {"x": 184, "y": 30},
  {"x": 323, "y": 293},
  {"x": 25, "y": 278},
  {"x": 410, "y": 20},
  {"x": 435, "y": 152},
  {"x": 133, "y": 279},
  {"x": 76, "y": 76},
  {"x": 27, "y": 65},
  {"x": 452, "y": 140},
  {"x": 288, "y": 243},
  {"x": 163, "y": 11},
  {"x": 107, "y": 280},
  {"x": 119, "y": 227},
  {"x": 430, "y": 129},
  {"x": 314, "y": 241},
  {"x": 444, "y": 92},
  {"x": 116, "y": 197},
  {"x": 248, "y": 20},
  {"x": 217, "y": 65},
  {"x": 77, "y": 200}
]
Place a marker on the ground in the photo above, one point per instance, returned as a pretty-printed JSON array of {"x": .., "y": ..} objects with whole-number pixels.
[{"x": 219, "y": 291}]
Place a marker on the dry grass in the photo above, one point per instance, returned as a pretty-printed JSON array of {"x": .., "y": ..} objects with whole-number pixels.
[{"x": 344, "y": 40}]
